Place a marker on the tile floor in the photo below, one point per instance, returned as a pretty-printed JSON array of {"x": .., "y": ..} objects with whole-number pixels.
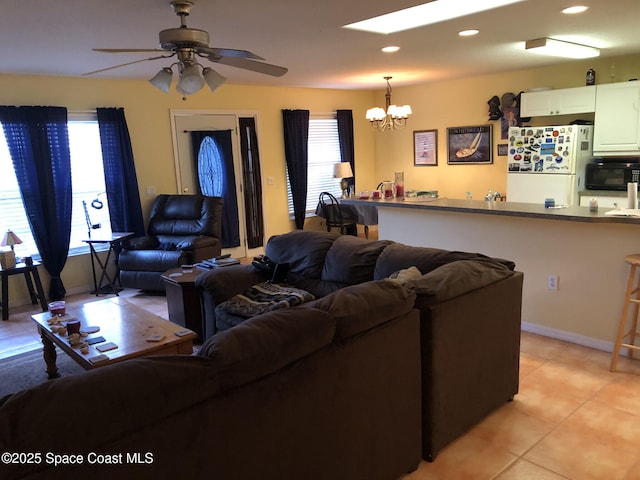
[{"x": 573, "y": 419}]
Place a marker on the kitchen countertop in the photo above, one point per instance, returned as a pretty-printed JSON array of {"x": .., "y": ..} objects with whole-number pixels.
[{"x": 511, "y": 209}]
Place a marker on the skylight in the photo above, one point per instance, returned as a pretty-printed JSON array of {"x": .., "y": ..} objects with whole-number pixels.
[{"x": 426, "y": 14}]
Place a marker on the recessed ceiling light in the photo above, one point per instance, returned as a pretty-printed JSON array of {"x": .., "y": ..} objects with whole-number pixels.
[
  {"x": 390, "y": 49},
  {"x": 426, "y": 14},
  {"x": 468, "y": 33},
  {"x": 576, "y": 9}
]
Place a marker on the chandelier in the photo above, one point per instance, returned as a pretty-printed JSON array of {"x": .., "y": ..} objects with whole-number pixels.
[
  {"x": 190, "y": 78},
  {"x": 393, "y": 118}
]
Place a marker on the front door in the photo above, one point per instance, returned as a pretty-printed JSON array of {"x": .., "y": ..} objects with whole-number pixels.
[{"x": 183, "y": 124}]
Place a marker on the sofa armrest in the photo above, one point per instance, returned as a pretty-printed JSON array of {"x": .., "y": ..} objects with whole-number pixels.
[
  {"x": 194, "y": 243},
  {"x": 457, "y": 278},
  {"x": 147, "y": 242},
  {"x": 223, "y": 283},
  {"x": 470, "y": 350}
]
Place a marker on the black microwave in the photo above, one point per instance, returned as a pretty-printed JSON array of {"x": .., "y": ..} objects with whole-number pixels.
[{"x": 611, "y": 175}]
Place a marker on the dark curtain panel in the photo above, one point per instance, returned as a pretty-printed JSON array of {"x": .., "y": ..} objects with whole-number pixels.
[
  {"x": 215, "y": 166},
  {"x": 252, "y": 182},
  {"x": 345, "y": 135},
  {"x": 38, "y": 140},
  {"x": 120, "y": 177},
  {"x": 296, "y": 136}
]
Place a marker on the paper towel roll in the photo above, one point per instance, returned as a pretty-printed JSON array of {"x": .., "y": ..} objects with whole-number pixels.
[{"x": 632, "y": 195}]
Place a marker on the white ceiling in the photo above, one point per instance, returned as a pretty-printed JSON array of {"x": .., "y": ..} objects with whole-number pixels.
[{"x": 47, "y": 37}]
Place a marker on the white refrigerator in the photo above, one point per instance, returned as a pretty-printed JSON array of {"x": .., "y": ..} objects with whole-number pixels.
[{"x": 548, "y": 162}]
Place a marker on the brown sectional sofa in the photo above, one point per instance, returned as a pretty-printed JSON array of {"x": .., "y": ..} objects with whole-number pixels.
[
  {"x": 328, "y": 390},
  {"x": 470, "y": 313},
  {"x": 357, "y": 383}
]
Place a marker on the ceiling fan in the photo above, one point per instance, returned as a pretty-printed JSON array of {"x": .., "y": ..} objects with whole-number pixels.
[{"x": 187, "y": 45}]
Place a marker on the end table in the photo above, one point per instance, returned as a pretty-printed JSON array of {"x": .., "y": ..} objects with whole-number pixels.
[
  {"x": 107, "y": 283},
  {"x": 183, "y": 299},
  {"x": 32, "y": 278}
]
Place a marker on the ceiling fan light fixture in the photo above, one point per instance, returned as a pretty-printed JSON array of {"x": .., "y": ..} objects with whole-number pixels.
[
  {"x": 162, "y": 79},
  {"x": 187, "y": 45},
  {"x": 190, "y": 80},
  {"x": 213, "y": 78}
]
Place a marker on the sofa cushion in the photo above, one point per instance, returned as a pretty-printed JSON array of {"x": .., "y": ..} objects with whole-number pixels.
[
  {"x": 351, "y": 260},
  {"x": 457, "y": 278},
  {"x": 304, "y": 251},
  {"x": 264, "y": 297},
  {"x": 116, "y": 399},
  {"x": 398, "y": 257},
  {"x": 266, "y": 343},
  {"x": 358, "y": 308}
]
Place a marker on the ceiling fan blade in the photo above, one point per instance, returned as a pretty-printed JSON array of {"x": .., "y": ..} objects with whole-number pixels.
[
  {"x": 127, "y": 50},
  {"x": 228, "y": 52},
  {"x": 128, "y": 63},
  {"x": 247, "y": 64}
]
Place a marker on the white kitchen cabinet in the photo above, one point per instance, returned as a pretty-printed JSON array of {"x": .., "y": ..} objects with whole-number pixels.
[
  {"x": 617, "y": 119},
  {"x": 604, "y": 201},
  {"x": 564, "y": 101}
]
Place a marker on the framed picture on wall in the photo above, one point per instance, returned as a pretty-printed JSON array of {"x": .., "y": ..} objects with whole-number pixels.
[
  {"x": 469, "y": 145},
  {"x": 425, "y": 147}
]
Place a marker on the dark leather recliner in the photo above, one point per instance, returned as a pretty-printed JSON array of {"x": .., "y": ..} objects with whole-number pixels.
[{"x": 183, "y": 229}]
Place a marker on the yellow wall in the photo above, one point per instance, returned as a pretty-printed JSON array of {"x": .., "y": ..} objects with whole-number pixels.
[
  {"x": 463, "y": 102},
  {"x": 436, "y": 106},
  {"x": 147, "y": 112}
]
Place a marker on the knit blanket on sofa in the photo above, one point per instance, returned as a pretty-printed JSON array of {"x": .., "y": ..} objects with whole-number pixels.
[{"x": 264, "y": 297}]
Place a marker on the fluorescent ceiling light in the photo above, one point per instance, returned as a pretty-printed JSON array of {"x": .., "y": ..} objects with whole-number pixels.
[
  {"x": 559, "y": 48},
  {"x": 426, "y": 14}
]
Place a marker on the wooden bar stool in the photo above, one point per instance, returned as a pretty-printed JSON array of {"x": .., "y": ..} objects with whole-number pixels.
[{"x": 632, "y": 296}]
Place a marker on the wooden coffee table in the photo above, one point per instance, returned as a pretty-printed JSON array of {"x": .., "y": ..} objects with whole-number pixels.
[{"x": 121, "y": 322}]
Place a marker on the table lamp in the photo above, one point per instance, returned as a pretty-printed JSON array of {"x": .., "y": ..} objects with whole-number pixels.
[
  {"x": 343, "y": 170},
  {"x": 8, "y": 259}
]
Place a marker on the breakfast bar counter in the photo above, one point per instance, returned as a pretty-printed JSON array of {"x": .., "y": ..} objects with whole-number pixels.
[
  {"x": 585, "y": 251},
  {"x": 510, "y": 209}
]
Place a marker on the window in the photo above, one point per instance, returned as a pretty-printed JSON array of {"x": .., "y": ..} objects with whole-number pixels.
[
  {"x": 87, "y": 178},
  {"x": 324, "y": 153}
]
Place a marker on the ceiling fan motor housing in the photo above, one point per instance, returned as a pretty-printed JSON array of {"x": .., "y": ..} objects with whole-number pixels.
[{"x": 173, "y": 38}]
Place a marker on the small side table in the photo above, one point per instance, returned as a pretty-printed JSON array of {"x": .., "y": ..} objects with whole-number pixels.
[
  {"x": 183, "y": 299},
  {"x": 107, "y": 283},
  {"x": 32, "y": 277}
]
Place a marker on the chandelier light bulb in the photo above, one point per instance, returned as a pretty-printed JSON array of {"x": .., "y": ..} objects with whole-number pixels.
[{"x": 394, "y": 117}]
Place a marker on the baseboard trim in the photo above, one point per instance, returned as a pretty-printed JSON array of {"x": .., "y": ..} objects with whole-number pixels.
[
  {"x": 21, "y": 302},
  {"x": 568, "y": 336}
]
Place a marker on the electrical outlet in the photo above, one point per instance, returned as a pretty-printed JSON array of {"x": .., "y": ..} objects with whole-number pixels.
[{"x": 552, "y": 282}]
